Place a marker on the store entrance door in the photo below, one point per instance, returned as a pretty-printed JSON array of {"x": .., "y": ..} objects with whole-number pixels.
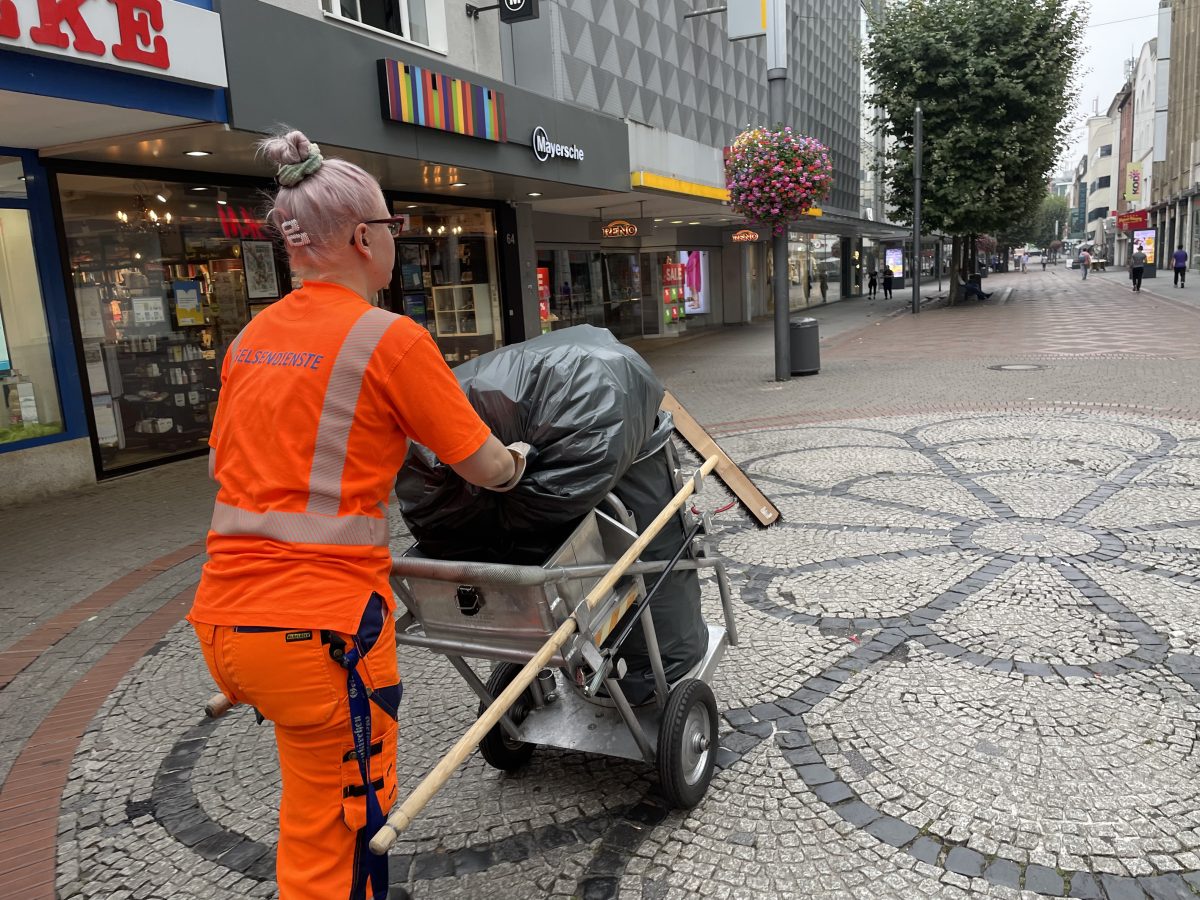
[{"x": 622, "y": 293}]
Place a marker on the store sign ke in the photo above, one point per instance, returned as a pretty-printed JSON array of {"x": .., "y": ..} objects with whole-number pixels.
[
  {"x": 155, "y": 37},
  {"x": 545, "y": 149}
]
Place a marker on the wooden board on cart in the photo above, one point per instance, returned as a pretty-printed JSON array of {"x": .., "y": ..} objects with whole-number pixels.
[{"x": 760, "y": 508}]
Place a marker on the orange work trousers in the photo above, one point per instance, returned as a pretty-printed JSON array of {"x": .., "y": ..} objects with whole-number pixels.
[{"x": 290, "y": 678}]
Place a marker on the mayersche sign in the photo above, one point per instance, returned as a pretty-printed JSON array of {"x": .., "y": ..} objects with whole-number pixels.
[{"x": 545, "y": 149}]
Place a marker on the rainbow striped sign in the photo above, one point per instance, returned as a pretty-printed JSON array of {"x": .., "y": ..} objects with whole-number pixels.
[{"x": 417, "y": 96}]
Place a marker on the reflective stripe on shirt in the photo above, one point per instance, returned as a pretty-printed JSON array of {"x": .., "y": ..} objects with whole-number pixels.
[
  {"x": 300, "y": 528},
  {"x": 337, "y": 413}
]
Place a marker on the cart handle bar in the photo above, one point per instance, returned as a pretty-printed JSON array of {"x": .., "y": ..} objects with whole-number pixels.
[
  {"x": 436, "y": 779},
  {"x": 505, "y": 575}
]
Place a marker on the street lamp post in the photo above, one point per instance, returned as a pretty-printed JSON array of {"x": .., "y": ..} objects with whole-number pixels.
[
  {"x": 918, "y": 150},
  {"x": 776, "y": 109}
]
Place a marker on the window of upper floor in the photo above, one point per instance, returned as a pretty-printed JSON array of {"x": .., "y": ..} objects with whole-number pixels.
[
  {"x": 412, "y": 20},
  {"x": 1100, "y": 184},
  {"x": 1105, "y": 150}
]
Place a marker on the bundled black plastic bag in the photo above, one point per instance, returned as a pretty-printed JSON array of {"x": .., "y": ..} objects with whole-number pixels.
[
  {"x": 679, "y": 625},
  {"x": 583, "y": 400}
]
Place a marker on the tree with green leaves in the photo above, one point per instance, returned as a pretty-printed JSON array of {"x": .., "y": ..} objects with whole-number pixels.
[
  {"x": 995, "y": 82},
  {"x": 1038, "y": 228}
]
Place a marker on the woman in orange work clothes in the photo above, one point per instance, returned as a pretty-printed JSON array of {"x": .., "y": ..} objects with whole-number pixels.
[{"x": 320, "y": 395}]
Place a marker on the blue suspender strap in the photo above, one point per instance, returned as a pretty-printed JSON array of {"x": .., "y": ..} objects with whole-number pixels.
[{"x": 360, "y": 726}]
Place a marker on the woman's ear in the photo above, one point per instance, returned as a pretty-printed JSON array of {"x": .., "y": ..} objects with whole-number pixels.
[{"x": 359, "y": 240}]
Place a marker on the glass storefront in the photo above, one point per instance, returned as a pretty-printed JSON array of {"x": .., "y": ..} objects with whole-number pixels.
[
  {"x": 29, "y": 403},
  {"x": 164, "y": 276},
  {"x": 814, "y": 269},
  {"x": 631, "y": 294},
  {"x": 581, "y": 287},
  {"x": 446, "y": 277}
]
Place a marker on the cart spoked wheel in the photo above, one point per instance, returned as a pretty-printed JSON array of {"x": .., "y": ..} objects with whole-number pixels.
[
  {"x": 501, "y": 751},
  {"x": 687, "y": 743}
]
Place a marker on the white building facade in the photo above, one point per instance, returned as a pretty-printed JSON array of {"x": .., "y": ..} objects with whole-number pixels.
[{"x": 1101, "y": 190}]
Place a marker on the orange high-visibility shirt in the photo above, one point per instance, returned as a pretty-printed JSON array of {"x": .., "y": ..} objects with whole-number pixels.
[{"x": 320, "y": 394}]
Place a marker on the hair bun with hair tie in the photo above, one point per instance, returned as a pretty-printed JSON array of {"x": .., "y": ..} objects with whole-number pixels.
[{"x": 291, "y": 174}]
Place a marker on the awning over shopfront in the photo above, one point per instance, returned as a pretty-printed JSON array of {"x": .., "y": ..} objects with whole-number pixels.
[
  {"x": 418, "y": 122},
  {"x": 96, "y": 74}
]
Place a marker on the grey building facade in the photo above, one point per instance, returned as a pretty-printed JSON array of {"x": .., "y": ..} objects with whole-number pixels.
[
  {"x": 686, "y": 91},
  {"x": 644, "y": 62},
  {"x": 1175, "y": 187}
]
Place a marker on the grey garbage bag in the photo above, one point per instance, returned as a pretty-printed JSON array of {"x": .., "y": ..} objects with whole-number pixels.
[
  {"x": 679, "y": 626},
  {"x": 586, "y": 402}
]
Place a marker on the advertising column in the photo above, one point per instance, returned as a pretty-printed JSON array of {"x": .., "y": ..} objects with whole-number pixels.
[{"x": 1143, "y": 238}]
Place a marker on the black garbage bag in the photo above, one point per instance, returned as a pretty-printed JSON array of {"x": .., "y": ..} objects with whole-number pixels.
[
  {"x": 679, "y": 626},
  {"x": 583, "y": 400}
]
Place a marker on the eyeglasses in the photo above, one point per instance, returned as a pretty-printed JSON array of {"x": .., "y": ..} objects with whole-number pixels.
[{"x": 395, "y": 225}]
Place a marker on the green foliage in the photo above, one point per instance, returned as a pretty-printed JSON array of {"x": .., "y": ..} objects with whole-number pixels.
[
  {"x": 995, "y": 82},
  {"x": 1037, "y": 229},
  {"x": 1051, "y": 211}
]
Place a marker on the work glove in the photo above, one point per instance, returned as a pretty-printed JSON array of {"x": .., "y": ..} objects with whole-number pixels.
[{"x": 522, "y": 454}]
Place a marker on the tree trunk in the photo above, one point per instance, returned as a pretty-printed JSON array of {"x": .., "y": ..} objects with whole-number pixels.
[{"x": 955, "y": 258}]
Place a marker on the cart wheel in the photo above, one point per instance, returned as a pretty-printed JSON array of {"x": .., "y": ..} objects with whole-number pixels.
[
  {"x": 687, "y": 743},
  {"x": 501, "y": 751}
]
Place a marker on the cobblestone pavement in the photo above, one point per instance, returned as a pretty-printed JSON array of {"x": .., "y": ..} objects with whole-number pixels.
[{"x": 969, "y": 661}]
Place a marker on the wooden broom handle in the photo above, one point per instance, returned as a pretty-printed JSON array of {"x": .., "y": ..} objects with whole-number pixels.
[{"x": 436, "y": 779}]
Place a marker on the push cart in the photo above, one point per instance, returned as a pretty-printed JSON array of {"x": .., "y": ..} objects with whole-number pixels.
[{"x": 506, "y": 614}]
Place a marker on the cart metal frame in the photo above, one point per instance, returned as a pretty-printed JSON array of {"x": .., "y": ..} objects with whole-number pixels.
[{"x": 505, "y": 613}]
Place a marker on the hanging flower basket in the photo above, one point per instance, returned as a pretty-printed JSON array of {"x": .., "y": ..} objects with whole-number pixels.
[{"x": 775, "y": 176}]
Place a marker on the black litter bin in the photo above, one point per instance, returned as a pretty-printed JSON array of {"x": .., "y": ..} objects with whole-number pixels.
[{"x": 805, "y": 341}]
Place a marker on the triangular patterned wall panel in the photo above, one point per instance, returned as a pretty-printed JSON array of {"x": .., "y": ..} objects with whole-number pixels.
[{"x": 645, "y": 61}]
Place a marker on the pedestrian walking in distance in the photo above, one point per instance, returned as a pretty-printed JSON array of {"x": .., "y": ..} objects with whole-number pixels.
[
  {"x": 294, "y": 613},
  {"x": 1137, "y": 265},
  {"x": 887, "y": 283},
  {"x": 872, "y": 283},
  {"x": 1085, "y": 262},
  {"x": 1179, "y": 260}
]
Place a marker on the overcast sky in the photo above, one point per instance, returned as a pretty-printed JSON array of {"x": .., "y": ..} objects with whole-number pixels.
[{"x": 1116, "y": 31}]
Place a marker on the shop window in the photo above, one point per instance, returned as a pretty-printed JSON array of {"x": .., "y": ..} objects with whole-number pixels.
[
  {"x": 446, "y": 277},
  {"x": 164, "y": 277},
  {"x": 29, "y": 401},
  {"x": 566, "y": 289},
  {"x": 403, "y": 18},
  {"x": 814, "y": 269}
]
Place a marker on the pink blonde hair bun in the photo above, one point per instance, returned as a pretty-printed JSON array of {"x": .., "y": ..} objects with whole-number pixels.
[{"x": 319, "y": 200}]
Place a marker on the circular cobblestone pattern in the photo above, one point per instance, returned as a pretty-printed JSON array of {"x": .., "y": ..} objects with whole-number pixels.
[
  {"x": 969, "y": 667},
  {"x": 1042, "y": 539}
]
